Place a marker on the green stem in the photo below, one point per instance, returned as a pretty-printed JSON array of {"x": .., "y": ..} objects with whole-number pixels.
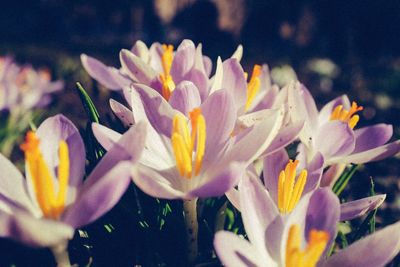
[
  {"x": 61, "y": 256},
  {"x": 192, "y": 228}
]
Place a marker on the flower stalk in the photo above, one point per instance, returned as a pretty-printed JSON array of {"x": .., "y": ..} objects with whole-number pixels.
[
  {"x": 192, "y": 227},
  {"x": 60, "y": 253}
]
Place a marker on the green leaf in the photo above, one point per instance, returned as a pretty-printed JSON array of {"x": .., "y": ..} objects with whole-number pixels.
[
  {"x": 344, "y": 179},
  {"x": 372, "y": 222},
  {"x": 88, "y": 105}
]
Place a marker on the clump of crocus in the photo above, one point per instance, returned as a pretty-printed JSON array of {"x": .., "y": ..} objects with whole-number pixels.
[
  {"x": 45, "y": 207},
  {"x": 22, "y": 87}
]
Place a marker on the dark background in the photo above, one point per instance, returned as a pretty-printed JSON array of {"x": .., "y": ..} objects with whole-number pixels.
[{"x": 360, "y": 39}]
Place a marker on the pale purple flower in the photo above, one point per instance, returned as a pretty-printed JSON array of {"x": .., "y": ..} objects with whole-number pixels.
[
  {"x": 335, "y": 137},
  {"x": 22, "y": 87},
  {"x": 45, "y": 207},
  {"x": 306, "y": 233},
  {"x": 311, "y": 173},
  {"x": 224, "y": 157},
  {"x": 159, "y": 67}
]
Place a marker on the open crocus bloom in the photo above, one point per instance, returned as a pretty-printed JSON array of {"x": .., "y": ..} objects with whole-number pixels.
[
  {"x": 287, "y": 181},
  {"x": 301, "y": 238},
  {"x": 158, "y": 66},
  {"x": 44, "y": 208},
  {"x": 22, "y": 87},
  {"x": 333, "y": 131},
  {"x": 257, "y": 94},
  {"x": 191, "y": 151}
]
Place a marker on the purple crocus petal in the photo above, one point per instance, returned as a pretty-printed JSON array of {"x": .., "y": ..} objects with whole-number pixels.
[
  {"x": 13, "y": 185},
  {"x": 50, "y": 133},
  {"x": 375, "y": 154},
  {"x": 234, "y": 81},
  {"x": 95, "y": 199},
  {"x": 158, "y": 111},
  {"x": 258, "y": 210},
  {"x": 156, "y": 185},
  {"x": 333, "y": 173},
  {"x": 200, "y": 80},
  {"x": 207, "y": 65},
  {"x": 315, "y": 169},
  {"x": 238, "y": 54},
  {"x": 372, "y": 136},
  {"x": 185, "y": 97},
  {"x": 273, "y": 165},
  {"x": 286, "y": 136},
  {"x": 358, "y": 208},
  {"x": 156, "y": 52},
  {"x": 129, "y": 147},
  {"x": 216, "y": 80},
  {"x": 334, "y": 139},
  {"x": 302, "y": 106},
  {"x": 183, "y": 60},
  {"x": 135, "y": 68},
  {"x": 107, "y": 76},
  {"x": 233, "y": 197},
  {"x": 234, "y": 251},
  {"x": 198, "y": 59},
  {"x": 326, "y": 112},
  {"x": 374, "y": 250},
  {"x": 106, "y": 137},
  {"x": 140, "y": 50},
  {"x": 217, "y": 183},
  {"x": 251, "y": 144},
  {"x": 323, "y": 214},
  {"x": 23, "y": 227},
  {"x": 219, "y": 125},
  {"x": 123, "y": 113}
]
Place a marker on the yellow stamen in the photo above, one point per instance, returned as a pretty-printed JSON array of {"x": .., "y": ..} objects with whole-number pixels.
[
  {"x": 253, "y": 86},
  {"x": 347, "y": 115},
  {"x": 52, "y": 205},
  {"x": 309, "y": 257},
  {"x": 290, "y": 190},
  {"x": 183, "y": 142},
  {"x": 168, "y": 84}
]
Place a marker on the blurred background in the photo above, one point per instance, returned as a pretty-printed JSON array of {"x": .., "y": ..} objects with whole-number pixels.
[{"x": 333, "y": 47}]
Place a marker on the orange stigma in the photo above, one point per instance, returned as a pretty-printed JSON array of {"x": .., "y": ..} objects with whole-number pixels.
[{"x": 348, "y": 116}]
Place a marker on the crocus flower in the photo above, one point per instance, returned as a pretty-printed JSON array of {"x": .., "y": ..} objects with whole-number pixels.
[
  {"x": 287, "y": 181},
  {"x": 158, "y": 67},
  {"x": 301, "y": 238},
  {"x": 331, "y": 131},
  {"x": 190, "y": 151},
  {"x": 257, "y": 94},
  {"x": 45, "y": 207},
  {"x": 22, "y": 87}
]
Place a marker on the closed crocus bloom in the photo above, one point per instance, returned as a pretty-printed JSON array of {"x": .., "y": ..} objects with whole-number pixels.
[
  {"x": 22, "y": 87},
  {"x": 302, "y": 237},
  {"x": 52, "y": 195}
]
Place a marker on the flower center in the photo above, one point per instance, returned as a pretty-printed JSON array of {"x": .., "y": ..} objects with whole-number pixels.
[
  {"x": 183, "y": 142},
  {"x": 168, "y": 84},
  {"x": 347, "y": 115},
  {"x": 253, "y": 86},
  {"x": 289, "y": 191},
  {"x": 296, "y": 257},
  {"x": 51, "y": 204}
]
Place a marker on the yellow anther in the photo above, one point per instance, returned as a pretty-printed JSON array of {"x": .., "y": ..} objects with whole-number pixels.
[
  {"x": 309, "y": 257},
  {"x": 168, "y": 84},
  {"x": 183, "y": 142},
  {"x": 347, "y": 115},
  {"x": 51, "y": 204},
  {"x": 289, "y": 190},
  {"x": 253, "y": 86}
]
